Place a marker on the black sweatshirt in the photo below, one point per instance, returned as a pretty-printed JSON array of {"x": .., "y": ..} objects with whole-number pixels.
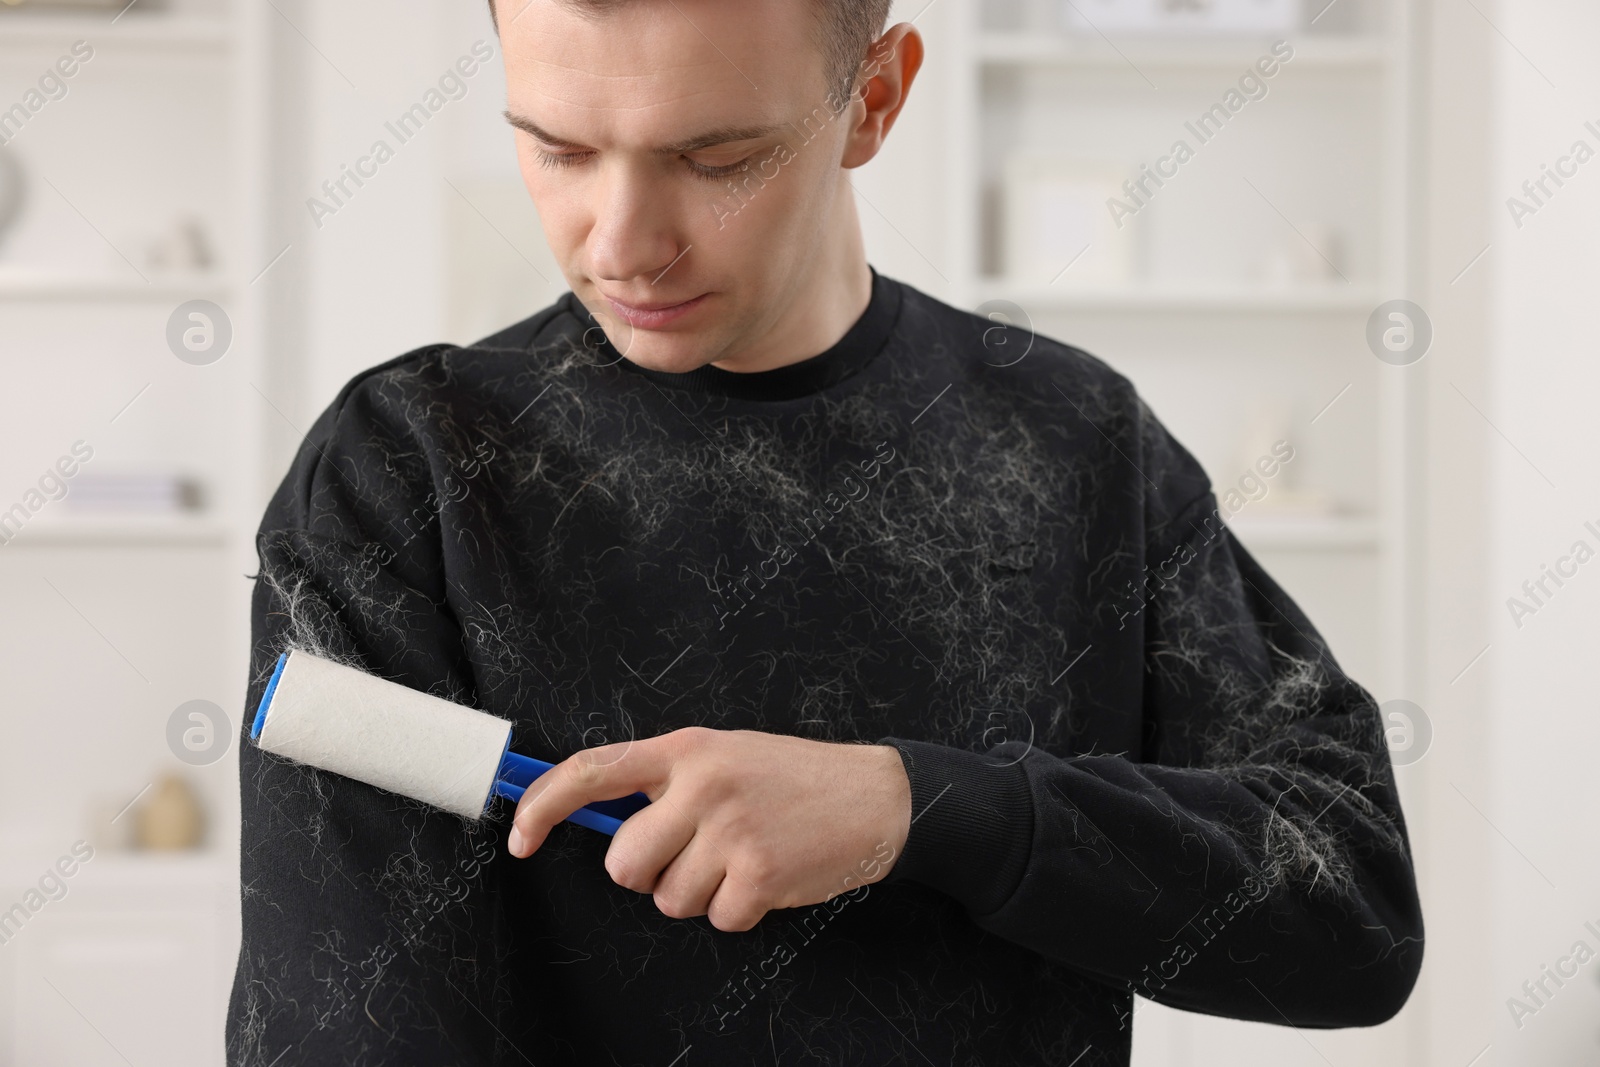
[{"x": 1134, "y": 765}]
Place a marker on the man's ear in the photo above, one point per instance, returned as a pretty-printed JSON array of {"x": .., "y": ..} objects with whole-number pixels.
[{"x": 886, "y": 76}]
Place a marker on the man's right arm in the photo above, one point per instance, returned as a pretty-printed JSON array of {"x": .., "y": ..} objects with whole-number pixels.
[{"x": 367, "y": 917}]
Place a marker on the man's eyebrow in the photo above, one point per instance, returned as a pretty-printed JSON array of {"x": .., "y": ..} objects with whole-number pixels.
[
  {"x": 709, "y": 139},
  {"x": 726, "y": 135}
]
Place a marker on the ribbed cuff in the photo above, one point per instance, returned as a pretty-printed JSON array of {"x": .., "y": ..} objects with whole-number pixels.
[{"x": 972, "y": 823}]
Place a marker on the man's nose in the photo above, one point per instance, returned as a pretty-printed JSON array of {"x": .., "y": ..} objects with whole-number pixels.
[{"x": 635, "y": 233}]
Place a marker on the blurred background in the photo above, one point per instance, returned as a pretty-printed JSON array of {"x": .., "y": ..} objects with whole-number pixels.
[{"x": 1383, "y": 253}]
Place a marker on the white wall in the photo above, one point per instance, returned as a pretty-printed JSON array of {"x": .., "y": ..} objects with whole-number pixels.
[
  {"x": 1451, "y": 843},
  {"x": 1540, "y": 397}
]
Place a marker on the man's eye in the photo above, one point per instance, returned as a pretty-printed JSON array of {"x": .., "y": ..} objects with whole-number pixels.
[
  {"x": 562, "y": 160},
  {"x": 712, "y": 174},
  {"x": 557, "y": 160}
]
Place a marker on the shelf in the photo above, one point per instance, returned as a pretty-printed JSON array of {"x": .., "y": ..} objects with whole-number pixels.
[
  {"x": 146, "y": 30},
  {"x": 150, "y": 865},
  {"x": 1047, "y": 48},
  {"x": 124, "y": 871},
  {"x": 1307, "y": 531},
  {"x": 21, "y": 284},
  {"x": 1263, "y": 297},
  {"x": 121, "y": 531}
]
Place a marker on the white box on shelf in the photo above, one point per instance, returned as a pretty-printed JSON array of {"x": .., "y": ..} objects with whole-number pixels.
[
  {"x": 129, "y": 492},
  {"x": 1056, "y": 217},
  {"x": 1181, "y": 16}
]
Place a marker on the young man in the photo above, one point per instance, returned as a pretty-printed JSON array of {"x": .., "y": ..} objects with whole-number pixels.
[{"x": 962, "y": 716}]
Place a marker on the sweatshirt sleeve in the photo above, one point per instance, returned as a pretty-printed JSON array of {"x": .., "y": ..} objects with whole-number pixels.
[
  {"x": 1252, "y": 861},
  {"x": 365, "y": 915}
]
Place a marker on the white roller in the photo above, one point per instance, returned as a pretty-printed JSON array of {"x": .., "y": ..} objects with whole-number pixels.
[{"x": 379, "y": 732}]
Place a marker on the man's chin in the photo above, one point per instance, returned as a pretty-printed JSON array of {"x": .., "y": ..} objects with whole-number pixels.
[{"x": 672, "y": 357}]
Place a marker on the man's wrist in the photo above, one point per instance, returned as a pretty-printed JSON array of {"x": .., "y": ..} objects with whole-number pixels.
[
  {"x": 897, "y": 825},
  {"x": 971, "y": 823}
]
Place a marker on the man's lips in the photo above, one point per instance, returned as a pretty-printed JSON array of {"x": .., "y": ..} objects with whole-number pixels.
[{"x": 651, "y": 315}]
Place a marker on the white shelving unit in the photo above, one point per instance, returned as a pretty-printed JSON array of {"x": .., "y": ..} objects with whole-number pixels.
[
  {"x": 1342, "y": 103},
  {"x": 124, "y": 531},
  {"x": 1324, "y": 532},
  {"x": 1206, "y": 342},
  {"x": 18, "y": 285},
  {"x": 163, "y": 31},
  {"x": 115, "y": 619},
  {"x": 1236, "y": 297},
  {"x": 1012, "y": 47}
]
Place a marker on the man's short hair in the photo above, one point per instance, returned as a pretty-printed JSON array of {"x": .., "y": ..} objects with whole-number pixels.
[{"x": 845, "y": 30}]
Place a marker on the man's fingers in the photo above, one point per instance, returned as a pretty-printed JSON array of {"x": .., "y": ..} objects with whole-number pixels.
[
  {"x": 735, "y": 907},
  {"x": 647, "y": 842},
  {"x": 582, "y": 778},
  {"x": 686, "y": 888},
  {"x": 603, "y": 773}
]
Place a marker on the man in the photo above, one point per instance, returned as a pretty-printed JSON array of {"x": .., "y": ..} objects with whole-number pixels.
[{"x": 962, "y": 716}]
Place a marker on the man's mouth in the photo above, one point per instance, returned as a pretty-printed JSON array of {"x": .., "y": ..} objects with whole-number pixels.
[{"x": 654, "y": 315}]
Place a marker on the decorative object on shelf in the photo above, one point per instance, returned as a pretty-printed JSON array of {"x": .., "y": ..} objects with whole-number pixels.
[
  {"x": 183, "y": 246},
  {"x": 1311, "y": 254},
  {"x": 1027, "y": 17},
  {"x": 1058, "y": 230},
  {"x": 170, "y": 817},
  {"x": 1004, "y": 14},
  {"x": 125, "y": 491},
  {"x": 1271, "y": 480},
  {"x": 13, "y": 184},
  {"x": 1181, "y": 16}
]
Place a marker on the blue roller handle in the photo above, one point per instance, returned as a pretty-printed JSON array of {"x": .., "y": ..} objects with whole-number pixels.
[{"x": 517, "y": 772}]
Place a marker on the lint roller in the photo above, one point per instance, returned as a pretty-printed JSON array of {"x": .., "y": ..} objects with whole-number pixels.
[{"x": 339, "y": 719}]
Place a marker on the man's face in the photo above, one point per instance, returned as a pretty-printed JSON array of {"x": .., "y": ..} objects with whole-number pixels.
[{"x": 635, "y": 206}]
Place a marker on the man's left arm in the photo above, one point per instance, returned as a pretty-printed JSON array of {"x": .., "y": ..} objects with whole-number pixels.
[{"x": 1253, "y": 863}]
